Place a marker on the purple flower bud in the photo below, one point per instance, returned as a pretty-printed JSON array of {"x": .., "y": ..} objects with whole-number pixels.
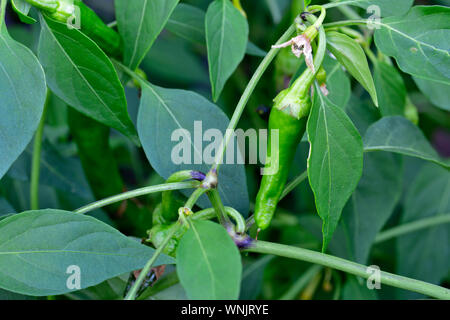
[{"x": 197, "y": 175}]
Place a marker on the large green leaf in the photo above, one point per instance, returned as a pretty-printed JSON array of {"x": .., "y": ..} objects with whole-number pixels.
[
  {"x": 391, "y": 90},
  {"x": 226, "y": 40},
  {"x": 438, "y": 93},
  {"x": 350, "y": 54},
  {"x": 425, "y": 254},
  {"x": 38, "y": 247},
  {"x": 82, "y": 75},
  {"x": 22, "y": 92},
  {"x": 420, "y": 50},
  {"x": 188, "y": 22},
  {"x": 372, "y": 203},
  {"x": 169, "y": 118},
  {"x": 338, "y": 84},
  {"x": 335, "y": 161},
  {"x": 140, "y": 22},
  {"x": 399, "y": 135},
  {"x": 171, "y": 60},
  {"x": 208, "y": 263},
  {"x": 387, "y": 7}
]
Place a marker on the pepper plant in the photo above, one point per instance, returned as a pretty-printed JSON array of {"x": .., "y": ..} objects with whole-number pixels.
[{"x": 118, "y": 119}]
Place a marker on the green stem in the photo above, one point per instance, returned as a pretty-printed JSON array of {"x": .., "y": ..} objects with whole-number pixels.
[
  {"x": 247, "y": 93},
  {"x": 349, "y": 267},
  {"x": 137, "y": 193},
  {"x": 293, "y": 184},
  {"x": 210, "y": 213},
  {"x": 343, "y": 23},
  {"x": 218, "y": 206},
  {"x": 162, "y": 284},
  {"x": 2, "y": 13},
  {"x": 194, "y": 197},
  {"x": 337, "y": 4},
  {"x": 301, "y": 283},
  {"x": 135, "y": 288},
  {"x": 36, "y": 161},
  {"x": 412, "y": 227},
  {"x": 318, "y": 23}
]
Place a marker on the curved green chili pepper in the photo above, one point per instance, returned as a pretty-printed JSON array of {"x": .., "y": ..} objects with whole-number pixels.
[
  {"x": 102, "y": 172},
  {"x": 168, "y": 212},
  {"x": 289, "y": 116}
]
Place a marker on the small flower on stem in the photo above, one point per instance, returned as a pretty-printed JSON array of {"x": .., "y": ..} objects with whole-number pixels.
[{"x": 300, "y": 45}]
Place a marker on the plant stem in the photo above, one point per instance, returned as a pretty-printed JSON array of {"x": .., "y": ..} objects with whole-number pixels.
[
  {"x": 218, "y": 206},
  {"x": 412, "y": 227},
  {"x": 210, "y": 213},
  {"x": 293, "y": 184},
  {"x": 131, "y": 295},
  {"x": 36, "y": 161},
  {"x": 162, "y": 284},
  {"x": 247, "y": 93},
  {"x": 194, "y": 197},
  {"x": 301, "y": 283},
  {"x": 337, "y": 4},
  {"x": 137, "y": 193},
  {"x": 349, "y": 267},
  {"x": 2, "y": 13},
  {"x": 343, "y": 23}
]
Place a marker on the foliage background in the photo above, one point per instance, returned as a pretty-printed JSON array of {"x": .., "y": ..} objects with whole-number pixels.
[{"x": 173, "y": 62}]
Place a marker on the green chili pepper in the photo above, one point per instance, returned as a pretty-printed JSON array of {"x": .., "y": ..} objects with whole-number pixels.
[
  {"x": 102, "y": 172},
  {"x": 289, "y": 116},
  {"x": 168, "y": 212}
]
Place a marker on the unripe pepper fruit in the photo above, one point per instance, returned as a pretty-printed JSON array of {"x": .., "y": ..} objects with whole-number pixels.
[{"x": 289, "y": 116}]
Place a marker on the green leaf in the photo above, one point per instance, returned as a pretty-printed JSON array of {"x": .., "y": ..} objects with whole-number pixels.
[
  {"x": 5, "y": 207},
  {"x": 254, "y": 50},
  {"x": 37, "y": 247},
  {"x": 171, "y": 60},
  {"x": 8, "y": 295},
  {"x": 391, "y": 90},
  {"x": 425, "y": 254},
  {"x": 252, "y": 278},
  {"x": 335, "y": 161},
  {"x": 208, "y": 263},
  {"x": 140, "y": 22},
  {"x": 168, "y": 119},
  {"x": 22, "y": 8},
  {"x": 420, "y": 50},
  {"x": 94, "y": 88},
  {"x": 350, "y": 54},
  {"x": 356, "y": 289},
  {"x": 188, "y": 22},
  {"x": 438, "y": 93},
  {"x": 372, "y": 203},
  {"x": 362, "y": 113},
  {"x": 387, "y": 7},
  {"x": 338, "y": 84},
  {"x": 226, "y": 40},
  {"x": 22, "y": 92},
  {"x": 399, "y": 135},
  {"x": 62, "y": 173}
]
